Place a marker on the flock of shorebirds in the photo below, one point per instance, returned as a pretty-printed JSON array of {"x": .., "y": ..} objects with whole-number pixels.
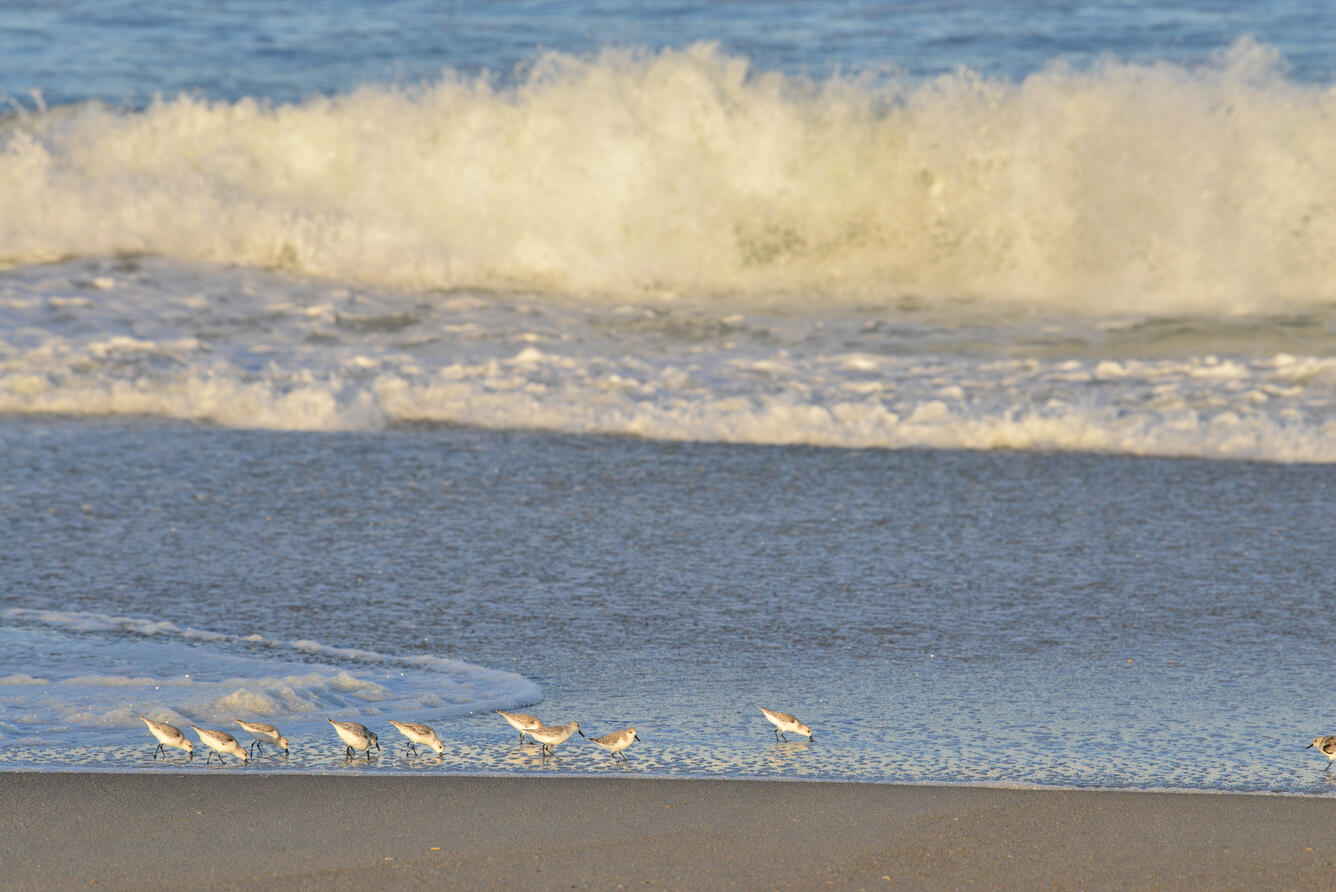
[{"x": 357, "y": 736}]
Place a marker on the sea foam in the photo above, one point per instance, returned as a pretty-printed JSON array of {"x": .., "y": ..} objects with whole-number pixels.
[
  {"x": 1121, "y": 187},
  {"x": 183, "y": 675}
]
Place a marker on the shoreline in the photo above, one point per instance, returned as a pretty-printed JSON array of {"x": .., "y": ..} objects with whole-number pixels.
[
  {"x": 133, "y": 830},
  {"x": 188, "y": 769}
]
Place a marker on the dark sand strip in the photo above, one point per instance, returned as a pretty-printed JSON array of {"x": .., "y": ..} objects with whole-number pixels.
[{"x": 231, "y": 830}]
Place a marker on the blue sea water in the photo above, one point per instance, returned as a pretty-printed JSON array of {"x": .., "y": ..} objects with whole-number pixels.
[{"x": 958, "y": 377}]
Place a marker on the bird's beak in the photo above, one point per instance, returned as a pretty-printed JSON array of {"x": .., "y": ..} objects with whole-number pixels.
[
  {"x": 1309, "y": 747},
  {"x": 581, "y": 733}
]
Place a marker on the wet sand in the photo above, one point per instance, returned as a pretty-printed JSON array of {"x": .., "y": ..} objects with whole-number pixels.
[{"x": 230, "y": 830}]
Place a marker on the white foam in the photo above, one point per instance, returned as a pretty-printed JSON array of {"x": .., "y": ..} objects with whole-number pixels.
[
  {"x": 1124, "y": 187},
  {"x": 1270, "y": 410},
  {"x": 224, "y": 681}
]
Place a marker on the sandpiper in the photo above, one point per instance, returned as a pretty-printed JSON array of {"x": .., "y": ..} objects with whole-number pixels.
[
  {"x": 356, "y": 736},
  {"x": 552, "y": 735},
  {"x": 168, "y": 735},
  {"x": 221, "y": 742},
  {"x": 419, "y": 734},
  {"x": 263, "y": 732},
  {"x": 521, "y": 722},
  {"x": 785, "y": 722},
  {"x": 617, "y": 741},
  {"x": 1326, "y": 746}
]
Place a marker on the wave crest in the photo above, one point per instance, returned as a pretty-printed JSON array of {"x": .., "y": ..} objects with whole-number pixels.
[{"x": 1125, "y": 186}]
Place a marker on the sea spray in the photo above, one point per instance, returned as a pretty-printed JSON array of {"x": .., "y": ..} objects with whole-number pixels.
[{"x": 1121, "y": 187}]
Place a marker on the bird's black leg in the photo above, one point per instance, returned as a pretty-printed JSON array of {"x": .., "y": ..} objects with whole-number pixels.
[
  {"x": 411, "y": 747},
  {"x": 348, "y": 753},
  {"x": 164, "y": 752}
]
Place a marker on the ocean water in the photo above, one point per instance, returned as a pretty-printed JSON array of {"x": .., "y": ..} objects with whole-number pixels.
[{"x": 960, "y": 380}]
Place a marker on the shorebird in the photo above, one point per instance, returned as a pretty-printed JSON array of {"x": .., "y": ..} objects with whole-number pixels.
[
  {"x": 168, "y": 735},
  {"x": 1326, "y": 746},
  {"x": 356, "y": 736},
  {"x": 422, "y": 734},
  {"x": 221, "y": 742},
  {"x": 785, "y": 722},
  {"x": 552, "y": 735},
  {"x": 263, "y": 732},
  {"x": 617, "y": 741},
  {"x": 521, "y": 722}
]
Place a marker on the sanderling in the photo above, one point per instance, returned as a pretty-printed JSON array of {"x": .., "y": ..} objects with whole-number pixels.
[
  {"x": 168, "y": 735},
  {"x": 617, "y": 741},
  {"x": 521, "y": 722},
  {"x": 356, "y": 736},
  {"x": 785, "y": 722},
  {"x": 262, "y": 732},
  {"x": 221, "y": 742},
  {"x": 1326, "y": 746},
  {"x": 419, "y": 734},
  {"x": 551, "y": 735}
]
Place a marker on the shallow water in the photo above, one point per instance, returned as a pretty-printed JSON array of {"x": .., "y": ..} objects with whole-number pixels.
[{"x": 1002, "y": 618}]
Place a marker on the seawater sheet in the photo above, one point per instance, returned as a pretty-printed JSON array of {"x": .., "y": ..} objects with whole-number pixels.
[
  {"x": 80, "y": 681},
  {"x": 1003, "y": 618}
]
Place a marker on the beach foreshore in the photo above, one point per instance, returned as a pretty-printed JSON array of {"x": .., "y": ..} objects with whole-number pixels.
[{"x": 229, "y": 830}]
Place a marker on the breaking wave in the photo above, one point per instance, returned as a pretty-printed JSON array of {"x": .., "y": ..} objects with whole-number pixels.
[{"x": 1122, "y": 187}]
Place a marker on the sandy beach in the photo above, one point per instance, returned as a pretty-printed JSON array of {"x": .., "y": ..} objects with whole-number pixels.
[{"x": 133, "y": 831}]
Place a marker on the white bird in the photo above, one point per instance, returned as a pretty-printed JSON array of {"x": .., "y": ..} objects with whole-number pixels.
[
  {"x": 1326, "y": 746},
  {"x": 552, "y": 735},
  {"x": 221, "y": 742},
  {"x": 168, "y": 735},
  {"x": 356, "y": 736},
  {"x": 521, "y": 722},
  {"x": 785, "y": 722},
  {"x": 263, "y": 732},
  {"x": 617, "y": 741},
  {"x": 422, "y": 734}
]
